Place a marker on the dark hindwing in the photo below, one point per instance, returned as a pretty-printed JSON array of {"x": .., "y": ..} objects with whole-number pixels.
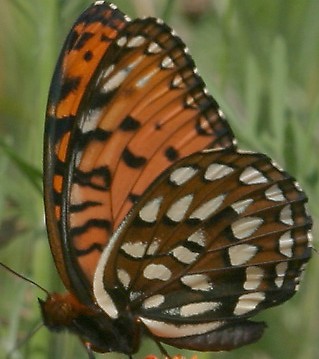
[{"x": 218, "y": 237}]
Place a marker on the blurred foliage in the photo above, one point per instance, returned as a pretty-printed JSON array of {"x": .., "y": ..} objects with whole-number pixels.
[{"x": 260, "y": 61}]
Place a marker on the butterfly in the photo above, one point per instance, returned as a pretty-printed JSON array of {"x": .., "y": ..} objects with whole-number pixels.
[{"x": 158, "y": 225}]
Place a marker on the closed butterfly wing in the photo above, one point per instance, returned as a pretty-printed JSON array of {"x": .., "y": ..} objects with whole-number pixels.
[
  {"x": 84, "y": 47},
  {"x": 217, "y": 237},
  {"x": 126, "y": 103}
]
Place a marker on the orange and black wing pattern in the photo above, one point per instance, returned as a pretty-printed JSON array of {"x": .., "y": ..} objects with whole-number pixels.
[{"x": 125, "y": 103}]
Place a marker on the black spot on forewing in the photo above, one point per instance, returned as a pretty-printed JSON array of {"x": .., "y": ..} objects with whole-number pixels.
[
  {"x": 132, "y": 160},
  {"x": 98, "y": 178},
  {"x": 95, "y": 135},
  {"x": 171, "y": 154},
  {"x": 75, "y": 208},
  {"x": 93, "y": 247},
  {"x": 82, "y": 40},
  {"x": 92, "y": 223},
  {"x": 69, "y": 85},
  {"x": 88, "y": 56},
  {"x": 129, "y": 124},
  {"x": 134, "y": 197}
]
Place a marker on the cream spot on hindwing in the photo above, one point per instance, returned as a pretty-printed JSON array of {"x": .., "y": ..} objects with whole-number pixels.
[
  {"x": 182, "y": 175},
  {"x": 184, "y": 255},
  {"x": 124, "y": 278},
  {"x": 286, "y": 215},
  {"x": 241, "y": 253},
  {"x": 153, "y": 301},
  {"x": 167, "y": 330},
  {"x": 241, "y": 206},
  {"x": 150, "y": 210},
  {"x": 216, "y": 171},
  {"x": 252, "y": 176},
  {"x": 208, "y": 208},
  {"x": 134, "y": 249},
  {"x": 157, "y": 271},
  {"x": 245, "y": 227},
  {"x": 254, "y": 276},
  {"x": 192, "y": 309},
  {"x": 281, "y": 270},
  {"x": 197, "y": 282},
  {"x": 197, "y": 237},
  {"x": 274, "y": 193},
  {"x": 248, "y": 302},
  {"x": 286, "y": 243},
  {"x": 178, "y": 209}
]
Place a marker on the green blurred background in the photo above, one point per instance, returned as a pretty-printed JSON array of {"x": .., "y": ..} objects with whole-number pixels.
[{"x": 260, "y": 59}]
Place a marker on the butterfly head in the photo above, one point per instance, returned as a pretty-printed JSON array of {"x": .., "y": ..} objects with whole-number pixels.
[{"x": 97, "y": 331}]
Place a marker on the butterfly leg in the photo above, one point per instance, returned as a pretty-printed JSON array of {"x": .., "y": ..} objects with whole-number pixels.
[{"x": 88, "y": 349}]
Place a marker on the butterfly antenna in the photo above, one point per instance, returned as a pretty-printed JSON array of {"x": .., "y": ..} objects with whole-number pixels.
[
  {"x": 25, "y": 339},
  {"x": 24, "y": 278}
]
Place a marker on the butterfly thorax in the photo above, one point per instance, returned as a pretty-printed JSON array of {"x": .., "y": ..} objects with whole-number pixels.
[{"x": 97, "y": 330}]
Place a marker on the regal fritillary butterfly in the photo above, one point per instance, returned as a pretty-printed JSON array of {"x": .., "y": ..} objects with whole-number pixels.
[{"x": 157, "y": 224}]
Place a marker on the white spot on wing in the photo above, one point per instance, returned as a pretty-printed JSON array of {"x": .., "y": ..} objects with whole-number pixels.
[
  {"x": 197, "y": 237},
  {"x": 121, "y": 41},
  {"x": 115, "y": 81},
  {"x": 274, "y": 193},
  {"x": 124, "y": 277},
  {"x": 192, "y": 309},
  {"x": 241, "y": 253},
  {"x": 208, "y": 208},
  {"x": 134, "y": 249},
  {"x": 178, "y": 81},
  {"x": 184, "y": 255},
  {"x": 310, "y": 239},
  {"x": 197, "y": 282},
  {"x": 178, "y": 209},
  {"x": 254, "y": 276},
  {"x": 240, "y": 206},
  {"x": 182, "y": 175},
  {"x": 167, "y": 63},
  {"x": 165, "y": 330},
  {"x": 248, "y": 302},
  {"x": 286, "y": 243},
  {"x": 157, "y": 271},
  {"x": 153, "y": 248},
  {"x": 154, "y": 48},
  {"x": 190, "y": 101},
  {"x": 216, "y": 171},
  {"x": 281, "y": 270},
  {"x": 105, "y": 73},
  {"x": 144, "y": 80},
  {"x": 245, "y": 227},
  {"x": 150, "y": 211},
  {"x": 91, "y": 121},
  {"x": 154, "y": 301},
  {"x": 136, "y": 41},
  {"x": 252, "y": 176},
  {"x": 286, "y": 215}
]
